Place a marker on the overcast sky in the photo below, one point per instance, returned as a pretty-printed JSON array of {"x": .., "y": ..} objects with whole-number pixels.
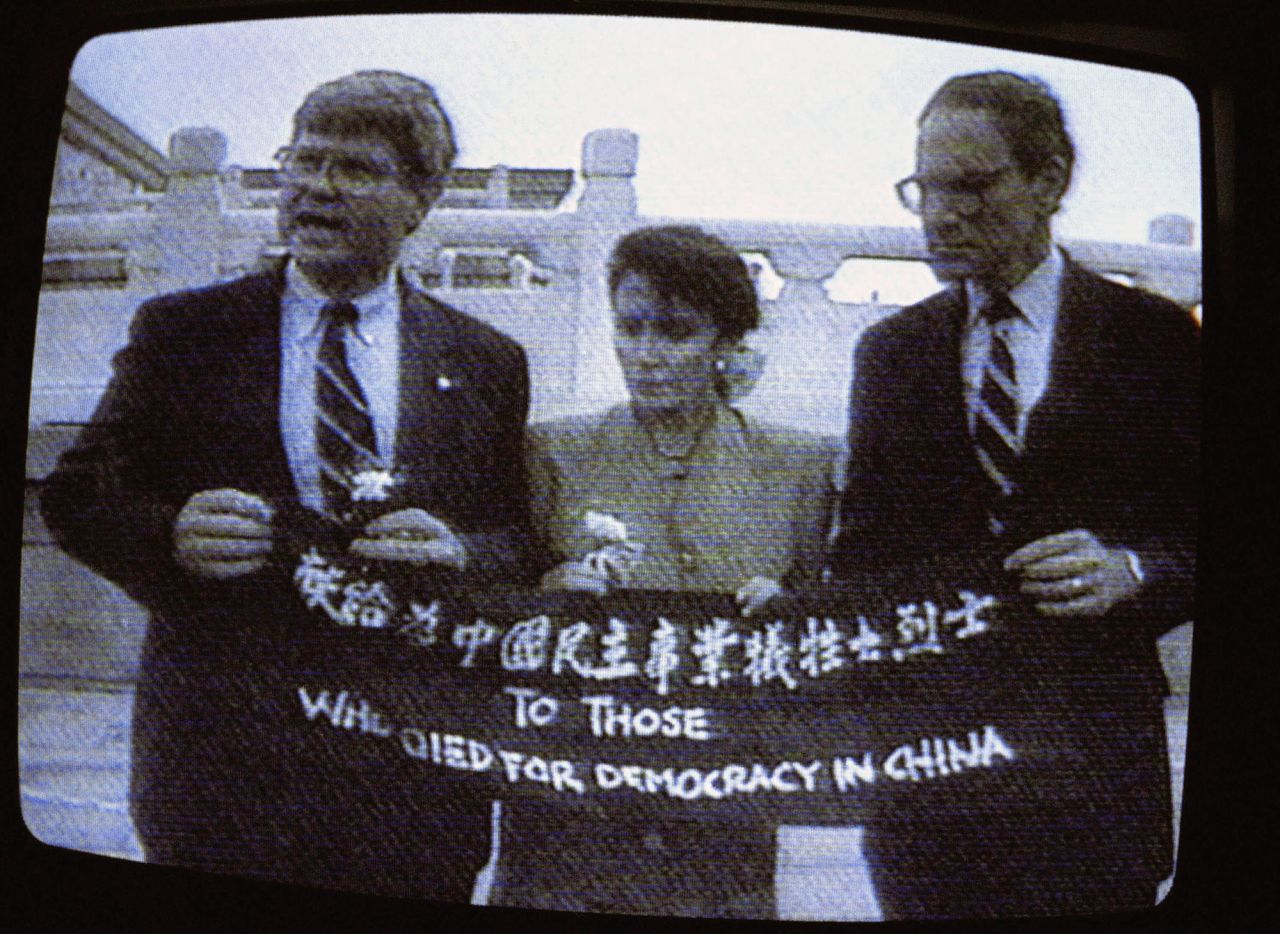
[{"x": 735, "y": 120}]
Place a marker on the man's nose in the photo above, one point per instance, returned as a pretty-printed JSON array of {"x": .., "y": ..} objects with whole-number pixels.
[
  {"x": 320, "y": 180},
  {"x": 939, "y": 205},
  {"x": 939, "y": 215}
]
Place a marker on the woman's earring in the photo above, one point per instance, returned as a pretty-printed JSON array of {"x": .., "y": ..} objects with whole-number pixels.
[{"x": 720, "y": 365}]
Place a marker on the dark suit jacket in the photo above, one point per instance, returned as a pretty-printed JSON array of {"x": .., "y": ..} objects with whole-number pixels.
[
  {"x": 1112, "y": 447},
  {"x": 194, "y": 405}
]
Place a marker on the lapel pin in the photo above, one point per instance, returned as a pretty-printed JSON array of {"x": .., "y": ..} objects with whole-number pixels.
[{"x": 443, "y": 383}]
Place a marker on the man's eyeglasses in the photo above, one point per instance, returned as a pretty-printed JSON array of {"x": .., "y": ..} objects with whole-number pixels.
[
  {"x": 354, "y": 174},
  {"x": 966, "y": 195}
]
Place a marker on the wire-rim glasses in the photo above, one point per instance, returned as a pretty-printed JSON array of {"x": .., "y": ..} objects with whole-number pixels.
[{"x": 349, "y": 173}]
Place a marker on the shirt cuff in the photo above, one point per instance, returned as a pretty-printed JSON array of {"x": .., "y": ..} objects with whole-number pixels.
[{"x": 1135, "y": 566}]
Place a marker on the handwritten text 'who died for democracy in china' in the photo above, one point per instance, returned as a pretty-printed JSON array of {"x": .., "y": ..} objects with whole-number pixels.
[{"x": 928, "y": 759}]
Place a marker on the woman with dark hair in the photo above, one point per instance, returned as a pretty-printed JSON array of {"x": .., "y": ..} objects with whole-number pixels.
[
  {"x": 710, "y": 500},
  {"x": 672, "y": 490}
]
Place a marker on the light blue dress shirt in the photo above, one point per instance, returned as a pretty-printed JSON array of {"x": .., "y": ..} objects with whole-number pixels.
[
  {"x": 373, "y": 354},
  {"x": 1029, "y": 336}
]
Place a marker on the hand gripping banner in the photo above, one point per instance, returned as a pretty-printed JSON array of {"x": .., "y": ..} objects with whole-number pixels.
[{"x": 933, "y": 686}]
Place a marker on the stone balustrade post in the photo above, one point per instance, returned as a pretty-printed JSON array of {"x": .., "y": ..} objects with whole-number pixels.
[
  {"x": 807, "y": 340},
  {"x": 605, "y": 211},
  {"x": 609, "y": 160},
  {"x": 185, "y": 244},
  {"x": 497, "y": 194},
  {"x": 805, "y": 268}
]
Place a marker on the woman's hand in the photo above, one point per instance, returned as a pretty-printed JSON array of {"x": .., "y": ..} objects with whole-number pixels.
[
  {"x": 755, "y": 593},
  {"x": 577, "y": 575}
]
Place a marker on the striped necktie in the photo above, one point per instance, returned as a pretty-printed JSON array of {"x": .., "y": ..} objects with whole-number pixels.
[
  {"x": 995, "y": 430},
  {"x": 345, "y": 438}
]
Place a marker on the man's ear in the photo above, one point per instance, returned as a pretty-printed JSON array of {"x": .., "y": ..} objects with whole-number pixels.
[
  {"x": 424, "y": 198},
  {"x": 1051, "y": 185},
  {"x": 422, "y": 204},
  {"x": 723, "y": 346}
]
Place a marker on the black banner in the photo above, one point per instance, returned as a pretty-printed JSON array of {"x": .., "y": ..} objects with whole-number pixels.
[{"x": 828, "y": 704}]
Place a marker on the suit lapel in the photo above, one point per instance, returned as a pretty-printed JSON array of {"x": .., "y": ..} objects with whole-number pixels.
[
  {"x": 432, "y": 379},
  {"x": 1073, "y": 371},
  {"x": 943, "y": 350}
]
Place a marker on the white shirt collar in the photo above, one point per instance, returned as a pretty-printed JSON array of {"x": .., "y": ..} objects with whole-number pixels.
[
  {"x": 1037, "y": 296},
  {"x": 303, "y": 299}
]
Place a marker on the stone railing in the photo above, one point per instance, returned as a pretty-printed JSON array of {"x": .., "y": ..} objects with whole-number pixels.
[{"x": 535, "y": 274}]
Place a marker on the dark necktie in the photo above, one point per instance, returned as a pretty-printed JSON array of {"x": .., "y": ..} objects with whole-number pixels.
[
  {"x": 995, "y": 430},
  {"x": 345, "y": 439}
]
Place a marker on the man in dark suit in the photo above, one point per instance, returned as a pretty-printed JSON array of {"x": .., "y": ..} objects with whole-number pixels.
[
  {"x": 1047, "y": 418},
  {"x": 242, "y": 415}
]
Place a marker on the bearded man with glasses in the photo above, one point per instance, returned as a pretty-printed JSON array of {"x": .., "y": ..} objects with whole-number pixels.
[
  {"x": 242, "y": 412},
  {"x": 1039, "y": 414}
]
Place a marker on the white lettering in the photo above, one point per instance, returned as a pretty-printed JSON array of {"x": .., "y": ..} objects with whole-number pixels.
[
  {"x": 969, "y": 614},
  {"x": 414, "y": 742},
  {"x": 940, "y": 758},
  {"x": 925, "y": 759},
  {"x": 672, "y": 721},
  {"x": 568, "y": 641},
  {"x": 321, "y": 705},
  {"x": 735, "y": 777},
  {"x": 633, "y": 775},
  {"x": 899, "y": 766},
  {"x": 473, "y": 637},
  {"x": 993, "y": 745},
  {"x": 614, "y": 654},
  {"x": 937, "y": 757},
  {"x": 562, "y": 777},
  {"x": 695, "y": 723},
  {"x": 511, "y": 762},
  {"x": 655, "y": 781},
  {"x": 611, "y": 718},
  {"x": 965, "y": 759},
  {"x": 369, "y": 720},
  {"x": 663, "y": 658},
  {"x": 536, "y": 770},
  {"x": 688, "y": 785},
  {"x": 479, "y": 756},
  {"x": 692, "y": 784},
  {"x": 809, "y": 774},
  {"x": 778, "y": 782},
  {"x": 524, "y": 647},
  {"x": 849, "y": 771},
  {"x": 539, "y": 711},
  {"x": 646, "y": 721},
  {"x": 603, "y": 720},
  {"x": 760, "y": 778},
  {"x": 455, "y": 751},
  {"x": 708, "y": 785},
  {"x": 711, "y": 643},
  {"x": 608, "y": 776}
]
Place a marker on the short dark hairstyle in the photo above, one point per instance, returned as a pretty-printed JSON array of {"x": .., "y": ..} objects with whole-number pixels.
[
  {"x": 402, "y": 110},
  {"x": 686, "y": 263},
  {"x": 1026, "y": 110}
]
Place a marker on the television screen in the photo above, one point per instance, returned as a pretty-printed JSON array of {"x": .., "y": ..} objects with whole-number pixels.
[{"x": 653, "y": 539}]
